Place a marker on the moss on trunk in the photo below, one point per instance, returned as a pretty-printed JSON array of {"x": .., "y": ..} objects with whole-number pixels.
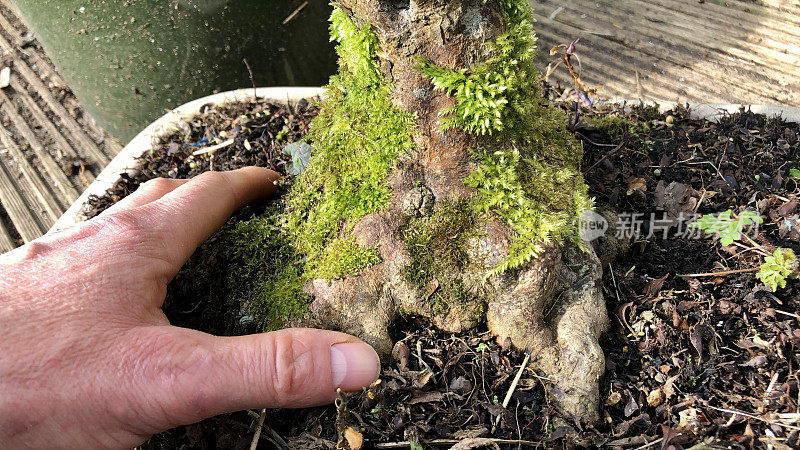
[{"x": 443, "y": 186}]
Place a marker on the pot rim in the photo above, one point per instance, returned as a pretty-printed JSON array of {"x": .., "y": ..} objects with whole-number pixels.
[
  {"x": 126, "y": 159},
  {"x": 144, "y": 141}
]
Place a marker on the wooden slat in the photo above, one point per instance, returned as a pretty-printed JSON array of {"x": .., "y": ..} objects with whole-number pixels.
[
  {"x": 84, "y": 142},
  {"x": 779, "y": 34},
  {"x": 17, "y": 209},
  {"x": 675, "y": 29},
  {"x": 58, "y": 180},
  {"x": 615, "y": 44},
  {"x": 41, "y": 119},
  {"x": 614, "y": 65},
  {"x": 33, "y": 183},
  {"x": 6, "y": 243}
]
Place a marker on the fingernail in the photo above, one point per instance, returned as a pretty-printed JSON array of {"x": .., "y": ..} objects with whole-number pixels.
[{"x": 353, "y": 365}]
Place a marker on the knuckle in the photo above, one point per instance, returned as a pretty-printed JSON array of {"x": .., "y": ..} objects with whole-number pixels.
[
  {"x": 222, "y": 183},
  {"x": 36, "y": 249},
  {"x": 179, "y": 370},
  {"x": 213, "y": 179},
  {"x": 121, "y": 222},
  {"x": 291, "y": 369},
  {"x": 124, "y": 226},
  {"x": 157, "y": 184}
]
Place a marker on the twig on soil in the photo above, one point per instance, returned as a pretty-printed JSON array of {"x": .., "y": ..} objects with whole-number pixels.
[
  {"x": 513, "y": 387},
  {"x": 717, "y": 274},
  {"x": 771, "y": 387},
  {"x": 259, "y": 427},
  {"x": 213, "y": 148},
  {"x": 606, "y": 156},
  {"x": 407, "y": 444},
  {"x": 422, "y": 362},
  {"x": 752, "y": 416},
  {"x": 294, "y": 13},
  {"x": 657, "y": 441},
  {"x": 787, "y": 314}
]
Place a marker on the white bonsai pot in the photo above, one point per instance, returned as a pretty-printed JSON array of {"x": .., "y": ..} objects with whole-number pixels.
[{"x": 128, "y": 158}]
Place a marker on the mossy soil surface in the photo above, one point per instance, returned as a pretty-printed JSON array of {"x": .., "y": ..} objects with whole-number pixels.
[{"x": 703, "y": 359}]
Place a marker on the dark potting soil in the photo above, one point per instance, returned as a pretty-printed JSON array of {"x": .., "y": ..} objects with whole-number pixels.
[{"x": 698, "y": 351}]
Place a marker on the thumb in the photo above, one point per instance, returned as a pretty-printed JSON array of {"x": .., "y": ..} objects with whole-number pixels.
[{"x": 292, "y": 368}]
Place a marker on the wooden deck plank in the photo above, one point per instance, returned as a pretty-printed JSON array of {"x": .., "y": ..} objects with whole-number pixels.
[
  {"x": 87, "y": 177},
  {"x": 85, "y": 143},
  {"x": 624, "y": 37},
  {"x": 34, "y": 185},
  {"x": 711, "y": 66},
  {"x": 59, "y": 182},
  {"x": 6, "y": 243},
  {"x": 15, "y": 205},
  {"x": 747, "y": 24},
  {"x": 615, "y": 65},
  {"x": 679, "y": 30}
]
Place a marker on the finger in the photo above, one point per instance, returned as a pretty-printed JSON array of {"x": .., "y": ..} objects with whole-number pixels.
[
  {"x": 184, "y": 218},
  {"x": 283, "y": 369},
  {"x": 149, "y": 191}
]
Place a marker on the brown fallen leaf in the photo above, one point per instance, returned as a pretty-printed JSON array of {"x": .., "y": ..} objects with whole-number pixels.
[
  {"x": 653, "y": 287},
  {"x": 655, "y": 397},
  {"x": 757, "y": 362},
  {"x": 401, "y": 354},
  {"x": 425, "y": 397},
  {"x": 476, "y": 443},
  {"x": 637, "y": 185},
  {"x": 354, "y": 438},
  {"x": 788, "y": 208}
]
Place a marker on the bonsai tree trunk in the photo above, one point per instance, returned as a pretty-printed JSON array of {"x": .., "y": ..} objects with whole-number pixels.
[{"x": 442, "y": 186}]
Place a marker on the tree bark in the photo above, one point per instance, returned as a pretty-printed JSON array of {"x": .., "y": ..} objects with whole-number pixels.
[{"x": 552, "y": 306}]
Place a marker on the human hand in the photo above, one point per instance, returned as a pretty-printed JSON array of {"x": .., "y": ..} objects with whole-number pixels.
[{"x": 89, "y": 360}]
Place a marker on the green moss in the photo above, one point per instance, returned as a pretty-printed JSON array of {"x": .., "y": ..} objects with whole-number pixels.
[
  {"x": 438, "y": 244},
  {"x": 491, "y": 96},
  {"x": 438, "y": 247},
  {"x": 264, "y": 274},
  {"x": 342, "y": 257},
  {"x": 539, "y": 202},
  {"x": 358, "y": 138},
  {"x": 534, "y": 184}
]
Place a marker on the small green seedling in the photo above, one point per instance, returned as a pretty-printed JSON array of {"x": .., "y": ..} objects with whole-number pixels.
[
  {"x": 795, "y": 173},
  {"x": 728, "y": 225},
  {"x": 778, "y": 268}
]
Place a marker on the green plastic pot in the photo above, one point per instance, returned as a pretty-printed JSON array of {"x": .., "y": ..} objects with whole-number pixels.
[{"x": 129, "y": 61}]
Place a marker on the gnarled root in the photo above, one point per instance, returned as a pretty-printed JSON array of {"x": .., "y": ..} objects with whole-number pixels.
[{"x": 557, "y": 312}]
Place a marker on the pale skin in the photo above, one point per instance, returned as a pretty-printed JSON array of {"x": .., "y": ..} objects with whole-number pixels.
[{"x": 89, "y": 360}]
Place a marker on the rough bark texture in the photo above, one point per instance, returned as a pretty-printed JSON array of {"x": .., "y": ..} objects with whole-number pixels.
[{"x": 552, "y": 306}]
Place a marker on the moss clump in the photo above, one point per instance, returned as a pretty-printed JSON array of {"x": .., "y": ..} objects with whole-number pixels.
[
  {"x": 358, "y": 137},
  {"x": 437, "y": 244},
  {"x": 342, "y": 257},
  {"x": 540, "y": 204},
  {"x": 534, "y": 183},
  {"x": 264, "y": 275},
  {"x": 492, "y": 97},
  {"x": 439, "y": 250}
]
